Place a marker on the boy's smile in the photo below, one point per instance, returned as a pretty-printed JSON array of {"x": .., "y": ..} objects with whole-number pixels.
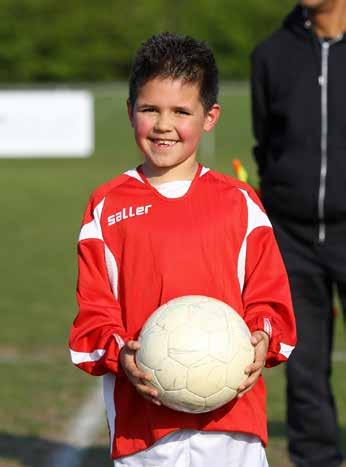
[{"x": 169, "y": 119}]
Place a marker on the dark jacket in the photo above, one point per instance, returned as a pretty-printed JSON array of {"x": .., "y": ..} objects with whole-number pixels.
[{"x": 299, "y": 119}]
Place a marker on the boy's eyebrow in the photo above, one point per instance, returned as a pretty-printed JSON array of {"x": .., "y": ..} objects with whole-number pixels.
[
  {"x": 178, "y": 107},
  {"x": 183, "y": 109},
  {"x": 142, "y": 106}
]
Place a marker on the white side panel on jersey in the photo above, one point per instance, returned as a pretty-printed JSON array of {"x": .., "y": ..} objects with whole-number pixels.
[
  {"x": 241, "y": 264},
  {"x": 108, "y": 394},
  {"x": 112, "y": 270},
  {"x": 85, "y": 357},
  {"x": 134, "y": 174},
  {"x": 256, "y": 218},
  {"x": 93, "y": 228},
  {"x": 286, "y": 349}
]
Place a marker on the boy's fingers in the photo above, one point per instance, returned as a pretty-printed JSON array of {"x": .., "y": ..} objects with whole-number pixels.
[
  {"x": 135, "y": 372},
  {"x": 255, "y": 366},
  {"x": 151, "y": 399},
  {"x": 259, "y": 336},
  {"x": 254, "y": 339},
  {"x": 156, "y": 402},
  {"x": 148, "y": 393},
  {"x": 249, "y": 382},
  {"x": 244, "y": 388},
  {"x": 144, "y": 389},
  {"x": 260, "y": 341},
  {"x": 133, "y": 345},
  {"x": 242, "y": 393},
  {"x": 258, "y": 364}
]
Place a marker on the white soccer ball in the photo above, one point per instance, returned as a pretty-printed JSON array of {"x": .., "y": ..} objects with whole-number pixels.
[{"x": 196, "y": 349}]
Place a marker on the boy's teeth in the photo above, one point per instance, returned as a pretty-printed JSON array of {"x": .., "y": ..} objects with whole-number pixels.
[{"x": 165, "y": 142}]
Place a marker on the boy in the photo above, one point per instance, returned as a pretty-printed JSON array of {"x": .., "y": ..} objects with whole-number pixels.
[{"x": 167, "y": 229}]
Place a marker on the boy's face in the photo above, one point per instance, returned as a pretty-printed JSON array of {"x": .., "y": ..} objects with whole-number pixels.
[{"x": 168, "y": 119}]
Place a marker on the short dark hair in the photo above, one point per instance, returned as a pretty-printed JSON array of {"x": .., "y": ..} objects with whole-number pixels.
[{"x": 168, "y": 55}]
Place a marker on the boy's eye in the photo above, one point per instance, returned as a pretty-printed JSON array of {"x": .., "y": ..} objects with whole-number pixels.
[
  {"x": 148, "y": 109},
  {"x": 182, "y": 112}
]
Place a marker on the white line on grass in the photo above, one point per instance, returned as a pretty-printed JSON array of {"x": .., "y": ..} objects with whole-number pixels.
[
  {"x": 81, "y": 431},
  {"x": 339, "y": 356}
]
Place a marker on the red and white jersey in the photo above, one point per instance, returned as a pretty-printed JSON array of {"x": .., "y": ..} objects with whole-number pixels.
[{"x": 137, "y": 250}]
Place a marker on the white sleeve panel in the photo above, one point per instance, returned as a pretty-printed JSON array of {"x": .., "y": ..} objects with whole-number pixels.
[
  {"x": 93, "y": 228},
  {"x": 85, "y": 357},
  {"x": 256, "y": 218},
  {"x": 286, "y": 349},
  {"x": 112, "y": 270}
]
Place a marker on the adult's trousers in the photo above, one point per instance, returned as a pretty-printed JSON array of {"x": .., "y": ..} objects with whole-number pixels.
[{"x": 315, "y": 270}]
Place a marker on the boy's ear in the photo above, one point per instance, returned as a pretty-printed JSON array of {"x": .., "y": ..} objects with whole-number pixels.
[
  {"x": 212, "y": 117},
  {"x": 129, "y": 111}
]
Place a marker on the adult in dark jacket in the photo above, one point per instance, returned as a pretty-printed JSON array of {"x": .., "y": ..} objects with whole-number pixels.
[{"x": 299, "y": 120}]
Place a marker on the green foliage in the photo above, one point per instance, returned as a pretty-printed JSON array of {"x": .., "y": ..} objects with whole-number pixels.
[{"x": 46, "y": 40}]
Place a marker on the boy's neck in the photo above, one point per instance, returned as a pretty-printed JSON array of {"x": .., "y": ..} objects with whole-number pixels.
[{"x": 158, "y": 175}]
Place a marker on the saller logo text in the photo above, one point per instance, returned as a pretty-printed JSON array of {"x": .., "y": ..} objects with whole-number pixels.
[{"x": 125, "y": 213}]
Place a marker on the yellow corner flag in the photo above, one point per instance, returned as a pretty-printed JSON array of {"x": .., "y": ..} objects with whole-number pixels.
[{"x": 240, "y": 170}]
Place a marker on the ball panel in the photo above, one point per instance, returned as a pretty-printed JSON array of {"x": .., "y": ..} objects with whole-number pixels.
[
  {"x": 220, "y": 398},
  {"x": 242, "y": 343},
  {"x": 153, "y": 318},
  {"x": 188, "y": 300},
  {"x": 183, "y": 401},
  {"x": 171, "y": 375},
  {"x": 221, "y": 345},
  {"x": 174, "y": 317},
  {"x": 215, "y": 304},
  {"x": 154, "y": 381},
  {"x": 201, "y": 316},
  {"x": 187, "y": 345},
  {"x": 235, "y": 321},
  {"x": 153, "y": 347},
  {"x": 236, "y": 368},
  {"x": 206, "y": 378}
]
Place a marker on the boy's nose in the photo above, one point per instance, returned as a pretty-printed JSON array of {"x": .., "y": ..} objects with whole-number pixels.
[{"x": 163, "y": 123}]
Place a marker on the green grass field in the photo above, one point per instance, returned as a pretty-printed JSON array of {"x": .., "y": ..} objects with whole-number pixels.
[{"x": 41, "y": 206}]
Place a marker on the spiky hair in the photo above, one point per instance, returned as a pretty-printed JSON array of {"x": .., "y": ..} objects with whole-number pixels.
[{"x": 168, "y": 55}]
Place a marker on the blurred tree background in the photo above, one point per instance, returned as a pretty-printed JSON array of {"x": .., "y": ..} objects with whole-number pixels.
[{"x": 88, "y": 40}]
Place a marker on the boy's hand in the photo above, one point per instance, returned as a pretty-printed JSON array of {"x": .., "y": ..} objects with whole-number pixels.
[
  {"x": 134, "y": 374},
  {"x": 260, "y": 340}
]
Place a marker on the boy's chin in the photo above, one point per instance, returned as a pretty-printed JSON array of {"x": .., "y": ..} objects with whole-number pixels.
[
  {"x": 162, "y": 161},
  {"x": 165, "y": 164},
  {"x": 159, "y": 166}
]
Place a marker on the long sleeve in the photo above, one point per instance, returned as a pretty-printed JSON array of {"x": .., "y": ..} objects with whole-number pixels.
[
  {"x": 260, "y": 111},
  {"x": 266, "y": 293},
  {"x": 97, "y": 333}
]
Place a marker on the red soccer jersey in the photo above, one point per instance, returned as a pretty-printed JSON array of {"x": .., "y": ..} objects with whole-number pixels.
[{"x": 137, "y": 250}]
